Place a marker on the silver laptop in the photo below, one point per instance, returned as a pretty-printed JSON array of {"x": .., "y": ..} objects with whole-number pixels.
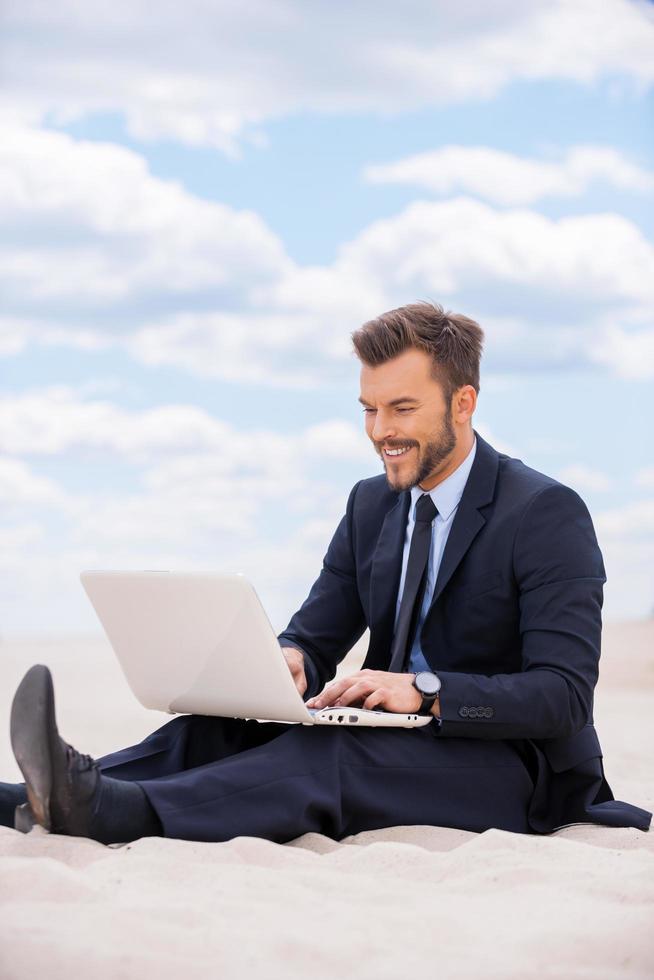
[{"x": 202, "y": 644}]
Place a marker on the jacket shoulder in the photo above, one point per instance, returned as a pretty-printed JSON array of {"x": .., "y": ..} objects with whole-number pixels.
[
  {"x": 373, "y": 494},
  {"x": 522, "y": 483},
  {"x": 521, "y": 478}
]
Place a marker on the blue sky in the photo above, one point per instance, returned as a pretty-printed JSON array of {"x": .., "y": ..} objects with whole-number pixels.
[
  {"x": 307, "y": 186},
  {"x": 194, "y": 220}
]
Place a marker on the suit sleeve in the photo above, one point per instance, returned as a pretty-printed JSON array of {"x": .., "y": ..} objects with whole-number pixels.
[
  {"x": 558, "y": 568},
  {"x": 331, "y": 619}
]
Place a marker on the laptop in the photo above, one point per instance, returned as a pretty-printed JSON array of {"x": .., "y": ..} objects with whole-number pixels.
[{"x": 202, "y": 644}]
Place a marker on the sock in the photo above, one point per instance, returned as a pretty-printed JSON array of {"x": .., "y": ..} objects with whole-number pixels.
[{"x": 123, "y": 813}]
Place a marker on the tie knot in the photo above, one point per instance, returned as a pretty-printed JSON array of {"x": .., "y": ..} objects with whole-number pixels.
[{"x": 426, "y": 509}]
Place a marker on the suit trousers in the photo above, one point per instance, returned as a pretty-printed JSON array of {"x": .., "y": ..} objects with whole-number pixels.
[{"x": 212, "y": 779}]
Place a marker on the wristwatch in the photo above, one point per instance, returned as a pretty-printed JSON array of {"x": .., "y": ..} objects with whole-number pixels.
[{"x": 428, "y": 685}]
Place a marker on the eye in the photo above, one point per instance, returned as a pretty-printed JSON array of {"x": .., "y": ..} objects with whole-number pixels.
[
  {"x": 369, "y": 411},
  {"x": 405, "y": 411}
]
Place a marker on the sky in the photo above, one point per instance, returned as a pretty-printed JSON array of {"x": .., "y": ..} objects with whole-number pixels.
[{"x": 196, "y": 211}]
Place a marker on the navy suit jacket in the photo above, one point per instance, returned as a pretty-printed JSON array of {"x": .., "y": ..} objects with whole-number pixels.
[{"x": 513, "y": 629}]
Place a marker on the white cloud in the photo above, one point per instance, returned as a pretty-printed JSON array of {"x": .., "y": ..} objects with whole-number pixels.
[
  {"x": 14, "y": 336},
  {"x": 54, "y": 421},
  {"x": 20, "y": 487},
  {"x": 632, "y": 519},
  {"x": 645, "y": 478},
  {"x": 548, "y": 292},
  {"x": 246, "y": 347},
  {"x": 585, "y": 478},
  {"x": 626, "y": 537},
  {"x": 446, "y": 247},
  {"x": 183, "y": 490},
  {"x": 335, "y": 439},
  {"x": 97, "y": 227},
  {"x": 18, "y": 537},
  {"x": 191, "y": 474},
  {"x": 508, "y": 179},
  {"x": 104, "y": 246},
  {"x": 202, "y": 76},
  {"x": 582, "y": 285},
  {"x": 186, "y": 442},
  {"x": 628, "y": 353}
]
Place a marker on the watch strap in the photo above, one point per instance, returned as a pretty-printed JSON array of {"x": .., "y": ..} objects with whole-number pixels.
[{"x": 427, "y": 704}]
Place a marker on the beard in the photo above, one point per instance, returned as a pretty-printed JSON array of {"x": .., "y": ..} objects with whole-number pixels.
[{"x": 430, "y": 456}]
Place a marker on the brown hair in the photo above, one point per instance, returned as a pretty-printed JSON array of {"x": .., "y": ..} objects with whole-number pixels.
[{"x": 454, "y": 342}]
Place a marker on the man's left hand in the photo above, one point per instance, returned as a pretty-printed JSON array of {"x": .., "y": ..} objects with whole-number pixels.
[{"x": 371, "y": 689}]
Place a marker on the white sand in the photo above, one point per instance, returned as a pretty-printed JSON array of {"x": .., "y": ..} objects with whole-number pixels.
[{"x": 388, "y": 904}]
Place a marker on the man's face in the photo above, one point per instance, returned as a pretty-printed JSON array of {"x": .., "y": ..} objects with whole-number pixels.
[{"x": 408, "y": 420}]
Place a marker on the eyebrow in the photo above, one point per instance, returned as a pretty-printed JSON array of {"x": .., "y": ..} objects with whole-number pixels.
[{"x": 396, "y": 401}]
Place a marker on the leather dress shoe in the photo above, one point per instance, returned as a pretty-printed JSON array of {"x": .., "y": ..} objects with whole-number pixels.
[{"x": 61, "y": 783}]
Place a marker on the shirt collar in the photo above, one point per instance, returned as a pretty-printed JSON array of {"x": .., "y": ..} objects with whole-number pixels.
[{"x": 446, "y": 495}]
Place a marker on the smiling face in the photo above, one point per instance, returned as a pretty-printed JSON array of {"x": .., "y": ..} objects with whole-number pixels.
[{"x": 419, "y": 437}]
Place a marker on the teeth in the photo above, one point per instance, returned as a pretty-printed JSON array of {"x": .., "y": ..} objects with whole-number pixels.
[{"x": 397, "y": 452}]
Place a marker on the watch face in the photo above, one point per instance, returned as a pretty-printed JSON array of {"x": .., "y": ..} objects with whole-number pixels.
[{"x": 427, "y": 683}]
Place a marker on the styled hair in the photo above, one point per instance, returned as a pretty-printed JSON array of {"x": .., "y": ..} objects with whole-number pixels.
[{"x": 453, "y": 341}]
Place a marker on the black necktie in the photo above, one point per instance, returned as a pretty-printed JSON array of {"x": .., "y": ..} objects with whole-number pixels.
[{"x": 414, "y": 582}]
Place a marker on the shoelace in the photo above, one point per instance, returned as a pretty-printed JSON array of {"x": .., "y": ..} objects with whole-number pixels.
[{"x": 81, "y": 762}]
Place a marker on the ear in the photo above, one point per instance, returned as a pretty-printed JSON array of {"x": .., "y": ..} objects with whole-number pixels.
[{"x": 464, "y": 403}]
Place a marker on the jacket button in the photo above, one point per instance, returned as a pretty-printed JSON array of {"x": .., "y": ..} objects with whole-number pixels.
[
  {"x": 464, "y": 712},
  {"x": 490, "y": 712},
  {"x": 473, "y": 713}
]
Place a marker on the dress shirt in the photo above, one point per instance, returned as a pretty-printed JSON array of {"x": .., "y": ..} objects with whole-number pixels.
[{"x": 446, "y": 497}]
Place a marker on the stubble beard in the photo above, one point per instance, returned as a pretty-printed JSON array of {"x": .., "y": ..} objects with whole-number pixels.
[{"x": 434, "y": 453}]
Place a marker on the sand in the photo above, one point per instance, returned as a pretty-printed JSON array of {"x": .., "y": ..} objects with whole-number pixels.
[{"x": 384, "y": 904}]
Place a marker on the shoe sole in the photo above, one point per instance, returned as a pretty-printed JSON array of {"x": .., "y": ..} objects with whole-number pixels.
[
  {"x": 24, "y": 819},
  {"x": 32, "y": 722}
]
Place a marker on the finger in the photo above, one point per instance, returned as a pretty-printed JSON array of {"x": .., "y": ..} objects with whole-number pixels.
[
  {"x": 333, "y": 691},
  {"x": 376, "y": 699},
  {"x": 356, "y": 692}
]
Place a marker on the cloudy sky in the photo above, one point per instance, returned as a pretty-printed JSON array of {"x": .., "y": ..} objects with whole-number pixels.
[{"x": 197, "y": 208}]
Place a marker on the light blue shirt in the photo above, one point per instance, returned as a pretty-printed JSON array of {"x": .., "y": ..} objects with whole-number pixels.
[{"x": 446, "y": 497}]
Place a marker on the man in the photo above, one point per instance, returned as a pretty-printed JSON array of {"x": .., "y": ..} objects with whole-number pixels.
[{"x": 481, "y": 583}]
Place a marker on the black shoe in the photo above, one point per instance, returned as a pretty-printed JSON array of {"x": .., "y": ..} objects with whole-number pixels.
[{"x": 62, "y": 785}]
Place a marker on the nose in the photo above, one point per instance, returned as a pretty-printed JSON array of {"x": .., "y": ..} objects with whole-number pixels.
[{"x": 382, "y": 428}]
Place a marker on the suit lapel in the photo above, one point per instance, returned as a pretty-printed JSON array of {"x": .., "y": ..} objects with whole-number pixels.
[
  {"x": 385, "y": 580},
  {"x": 468, "y": 522}
]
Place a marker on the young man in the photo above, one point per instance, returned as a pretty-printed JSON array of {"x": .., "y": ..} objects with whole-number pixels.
[{"x": 481, "y": 583}]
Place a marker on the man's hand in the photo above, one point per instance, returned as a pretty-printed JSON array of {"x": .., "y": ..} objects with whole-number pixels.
[
  {"x": 371, "y": 689},
  {"x": 295, "y": 660}
]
